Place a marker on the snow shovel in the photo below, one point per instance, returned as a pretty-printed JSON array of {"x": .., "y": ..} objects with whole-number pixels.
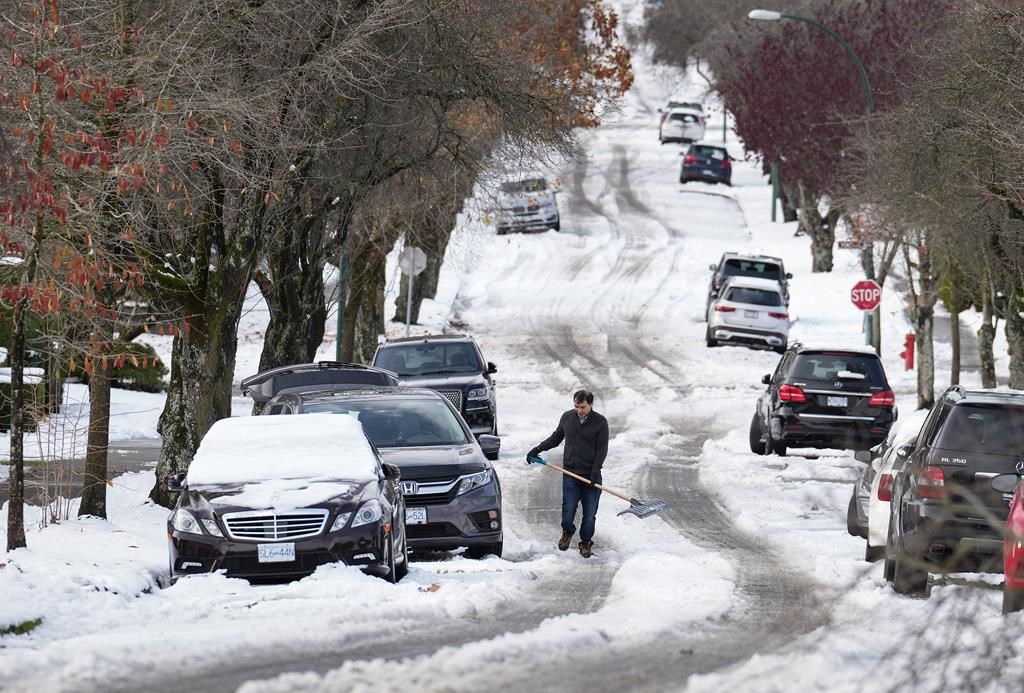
[{"x": 640, "y": 508}]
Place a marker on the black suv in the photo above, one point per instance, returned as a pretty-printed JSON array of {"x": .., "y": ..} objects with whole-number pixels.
[
  {"x": 823, "y": 398},
  {"x": 454, "y": 366},
  {"x": 321, "y": 375},
  {"x": 944, "y": 512},
  {"x": 451, "y": 490},
  {"x": 740, "y": 265}
]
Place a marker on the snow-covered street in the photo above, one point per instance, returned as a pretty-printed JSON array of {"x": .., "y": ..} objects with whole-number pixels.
[{"x": 749, "y": 581}]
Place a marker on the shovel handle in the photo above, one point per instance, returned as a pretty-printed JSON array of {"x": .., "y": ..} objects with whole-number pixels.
[{"x": 587, "y": 481}]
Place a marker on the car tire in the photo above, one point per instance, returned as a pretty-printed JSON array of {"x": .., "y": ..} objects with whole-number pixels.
[
  {"x": 477, "y": 552},
  {"x": 711, "y": 341},
  {"x": 683, "y": 181},
  {"x": 773, "y": 446},
  {"x": 1013, "y": 600},
  {"x": 756, "y": 444},
  {"x": 557, "y": 226},
  {"x": 873, "y": 554},
  {"x": 402, "y": 568},
  {"x": 502, "y": 232},
  {"x": 908, "y": 577},
  {"x": 852, "y": 527},
  {"x": 392, "y": 574}
]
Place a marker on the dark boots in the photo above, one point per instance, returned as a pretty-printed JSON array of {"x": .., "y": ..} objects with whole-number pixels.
[
  {"x": 585, "y": 548},
  {"x": 563, "y": 542}
]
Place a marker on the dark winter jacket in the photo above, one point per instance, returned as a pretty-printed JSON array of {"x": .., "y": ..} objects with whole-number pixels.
[{"x": 586, "y": 444}]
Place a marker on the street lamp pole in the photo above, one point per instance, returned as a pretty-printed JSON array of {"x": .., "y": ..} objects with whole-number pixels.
[{"x": 871, "y": 332}]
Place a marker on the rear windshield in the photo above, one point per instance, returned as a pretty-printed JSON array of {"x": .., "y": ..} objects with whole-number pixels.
[
  {"x": 755, "y": 297},
  {"x": 425, "y": 358},
  {"x": 713, "y": 152},
  {"x": 400, "y": 423},
  {"x": 686, "y": 104},
  {"x": 992, "y": 429},
  {"x": 828, "y": 366},
  {"x": 751, "y": 268},
  {"x": 685, "y": 117},
  {"x": 524, "y": 186}
]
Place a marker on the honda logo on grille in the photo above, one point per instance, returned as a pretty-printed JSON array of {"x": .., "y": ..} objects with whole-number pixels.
[{"x": 410, "y": 488}]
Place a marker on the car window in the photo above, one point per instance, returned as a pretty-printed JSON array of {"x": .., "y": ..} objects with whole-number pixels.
[
  {"x": 391, "y": 423},
  {"x": 827, "y": 366},
  {"x": 751, "y": 268},
  {"x": 712, "y": 152},
  {"x": 684, "y": 117},
  {"x": 429, "y": 357},
  {"x": 993, "y": 429},
  {"x": 524, "y": 186},
  {"x": 754, "y": 297}
]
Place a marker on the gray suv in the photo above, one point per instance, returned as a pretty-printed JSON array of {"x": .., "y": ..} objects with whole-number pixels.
[{"x": 452, "y": 494}]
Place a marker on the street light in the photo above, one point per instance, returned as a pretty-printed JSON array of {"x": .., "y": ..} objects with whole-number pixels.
[{"x": 869, "y": 257}]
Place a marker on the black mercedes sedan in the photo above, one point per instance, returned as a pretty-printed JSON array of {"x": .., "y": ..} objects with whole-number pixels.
[{"x": 274, "y": 498}]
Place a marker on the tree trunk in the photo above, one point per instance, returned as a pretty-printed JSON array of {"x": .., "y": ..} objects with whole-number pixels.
[
  {"x": 16, "y": 471},
  {"x": 94, "y": 488},
  {"x": 821, "y": 230},
  {"x": 986, "y": 338},
  {"x": 923, "y": 330},
  {"x": 370, "y": 319},
  {"x": 1015, "y": 338},
  {"x": 954, "y": 339},
  {"x": 786, "y": 197}
]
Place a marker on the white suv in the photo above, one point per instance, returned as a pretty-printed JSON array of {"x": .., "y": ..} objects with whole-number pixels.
[
  {"x": 750, "y": 311},
  {"x": 527, "y": 204},
  {"x": 682, "y": 125}
]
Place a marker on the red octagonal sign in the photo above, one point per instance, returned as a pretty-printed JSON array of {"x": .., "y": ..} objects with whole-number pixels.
[{"x": 866, "y": 294}]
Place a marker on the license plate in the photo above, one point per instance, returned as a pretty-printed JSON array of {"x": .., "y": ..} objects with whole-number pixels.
[
  {"x": 836, "y": 402},
  {"x": 275, "y": 553},
  {"x": 707, "y": 172},
  {"x": 415, "y": 516},
  {"x": 750, "y": 313}
]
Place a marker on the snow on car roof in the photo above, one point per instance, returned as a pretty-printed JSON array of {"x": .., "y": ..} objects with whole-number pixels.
[
  {"x": 754, "y": 283},
  {"x": 266, "y": 448},
  {"x": 846, "y": 348}
]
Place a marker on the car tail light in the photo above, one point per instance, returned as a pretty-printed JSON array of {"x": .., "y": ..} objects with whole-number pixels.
[
  {"x": 932, "y": 482},
  {"x": 792, "y": 393},
  {"x": 725, "y": 309},
  {"x": 885, "y": 398},
  {"x": 780, "y": 316},
  {"x": 726, "y": 163},
  {"x": 885, "y": 488},
  {"x": 690, "y": 159}
]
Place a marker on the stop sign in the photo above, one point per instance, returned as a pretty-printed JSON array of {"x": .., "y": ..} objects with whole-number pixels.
[{"x": 866, "y": 294}]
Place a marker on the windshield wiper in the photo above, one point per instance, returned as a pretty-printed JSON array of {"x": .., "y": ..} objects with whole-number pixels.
[{"x": 444, "y": 372}]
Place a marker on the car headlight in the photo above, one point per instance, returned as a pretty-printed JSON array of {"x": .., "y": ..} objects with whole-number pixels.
[
  {"x": 187, "y": 523},
  {"x": 479, "y": 393},
  {"x": 474, "y": 481},
  {"x": 340, "y": 522},
  {"x": 370, "y": 512}
]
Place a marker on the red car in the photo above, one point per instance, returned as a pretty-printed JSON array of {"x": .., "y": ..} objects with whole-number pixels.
[{"x": 1013, "y": 542}]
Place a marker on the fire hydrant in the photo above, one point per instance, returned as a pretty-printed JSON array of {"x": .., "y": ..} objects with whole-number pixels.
[{"x": 908, "y": 351}]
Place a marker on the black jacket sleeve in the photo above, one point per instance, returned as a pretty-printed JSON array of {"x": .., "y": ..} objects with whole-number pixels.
[
  {"x": 553, "y": 440},
  {"x": 600, "y": 450}
]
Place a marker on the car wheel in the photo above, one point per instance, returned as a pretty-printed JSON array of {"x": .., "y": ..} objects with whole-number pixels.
[
  {"x": 683, "y": 181},
  {"x": 392, "y": 574},
  {"x": 873, "y": 554},
  {"x": 402, "y": 568},
  {"x": 908, "y": 576},
  {"x": 477, "y": 552},
  {"x": 711, "y": 341},
  {"x": 557, "y": 226},
  {"x": 756, "y": 444},
  {"x": 852, "y": 527},
  {"x": 502, "y": 232},
  {"x": 1013, "y": 600},
  {"x": 773, "y": 446}
]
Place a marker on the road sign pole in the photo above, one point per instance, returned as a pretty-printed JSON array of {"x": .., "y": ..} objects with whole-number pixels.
[{"x": 408, "y": 305}]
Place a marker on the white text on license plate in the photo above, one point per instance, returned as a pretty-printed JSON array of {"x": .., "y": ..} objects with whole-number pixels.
[
  {"x": 750, "y": 313},
  {"x": 415, "y": 516},
  {"x": 275, "y": 553},
  {"x": 836, "y": 402}
]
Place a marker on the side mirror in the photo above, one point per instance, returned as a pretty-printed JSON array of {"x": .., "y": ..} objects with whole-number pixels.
[
  {"x": 789, "y": 275},
  {"x": 905, "y": 450},
  {"x": 1005, "y": 483},
  {"x": 863, "y": 456},
  {"x": 176, "y": 482},
  {"x": 392, "y": 471},
  {"x": 766, "y": 379},
  {"x": 491, "y": 368},
  {"x": 713, "y": 268},
  {"x": 491, "y": 445}
]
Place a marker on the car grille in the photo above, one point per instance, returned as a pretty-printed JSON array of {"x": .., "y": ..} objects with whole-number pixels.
[
  {"x": 453, "y": 396},
  {"x": 432, "y": 498},
  {"x": 434, "y": 529},
  {"x": 261, "y": 525}
]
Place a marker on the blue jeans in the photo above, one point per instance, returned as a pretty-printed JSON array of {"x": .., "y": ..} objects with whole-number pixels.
[{"x": 573, "y": 493}]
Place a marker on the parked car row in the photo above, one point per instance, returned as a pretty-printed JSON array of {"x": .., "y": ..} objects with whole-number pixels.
[
  {"x": 945, "y": 495},
  {"x": 369, "y": 464}
]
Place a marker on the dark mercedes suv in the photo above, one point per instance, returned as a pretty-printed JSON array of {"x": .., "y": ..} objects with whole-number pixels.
[
  {"x": 451, "y": 490},
  {"x": 945, "y": 515},
  {"x": 454, "y": 366},
  {"x": 823, "y": 398}
]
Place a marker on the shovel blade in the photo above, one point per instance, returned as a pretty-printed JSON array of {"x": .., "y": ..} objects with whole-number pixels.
[{"x": 644, "y": 509}]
